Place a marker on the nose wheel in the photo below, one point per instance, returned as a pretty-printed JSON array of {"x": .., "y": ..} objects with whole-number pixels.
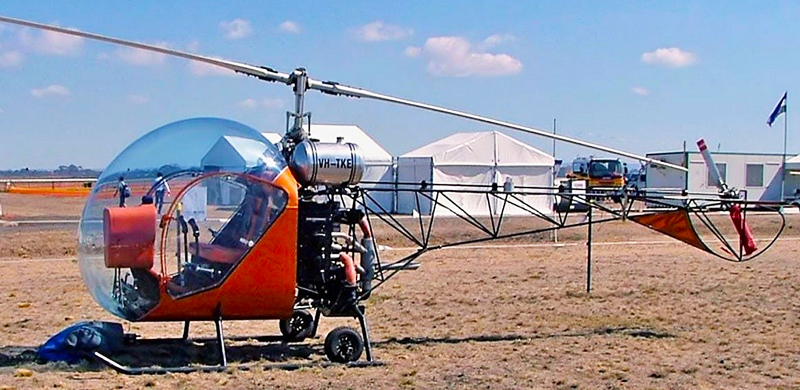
[
  {"x": 343, "y": 345},
  {"x": 299, "y": 327}
]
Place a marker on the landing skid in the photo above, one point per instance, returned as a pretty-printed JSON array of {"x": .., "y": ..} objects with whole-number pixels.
[
  {"x": 358, "y": 312},
  {"x": 243, "y": 367}
]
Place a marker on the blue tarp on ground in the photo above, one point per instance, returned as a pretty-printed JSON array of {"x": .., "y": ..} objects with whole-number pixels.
[{"x": 76, "y": 342}]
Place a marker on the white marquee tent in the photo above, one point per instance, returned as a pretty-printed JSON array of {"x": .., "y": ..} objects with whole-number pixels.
[
  {"x": 379, "y": 163},
  {"x": 793, "y": 163},
  {"x": 228, "y": 153},
  {"x": 475, "y": 158},
  {"x": 273, "y": 138}
]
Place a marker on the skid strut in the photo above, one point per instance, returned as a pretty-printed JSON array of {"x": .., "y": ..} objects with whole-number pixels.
[
  {"x": 316, "y": 323},
  {"x": 362, "y": 319},
  {"x": 222, "y": 366},
  {"x": 221, "y": 340}
]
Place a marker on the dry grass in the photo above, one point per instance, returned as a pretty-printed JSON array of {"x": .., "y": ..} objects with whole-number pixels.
[
  {"x": 18, "y": 206},
  {"x": 496, "y": 318},
  {"x": 38, "y": 244},
  {"x": 660, "y": 316}
]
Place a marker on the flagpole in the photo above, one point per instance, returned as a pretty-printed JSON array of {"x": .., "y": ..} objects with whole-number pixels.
[{"x": 785, "y": 132}]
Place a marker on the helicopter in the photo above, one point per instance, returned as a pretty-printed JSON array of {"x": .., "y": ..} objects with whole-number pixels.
[{"x": 292, "y": 229}]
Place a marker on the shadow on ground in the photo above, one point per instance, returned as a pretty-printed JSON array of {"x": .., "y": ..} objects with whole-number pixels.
[{"x": 269, "y": 350}]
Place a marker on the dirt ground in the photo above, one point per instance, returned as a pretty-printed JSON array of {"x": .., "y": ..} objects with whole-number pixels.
[
  {"x": 18, "y": 207},
  {"x": 660, "y": 315}
]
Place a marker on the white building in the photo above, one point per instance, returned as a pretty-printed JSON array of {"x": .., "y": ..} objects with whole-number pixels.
[
  {"x": 793, "y": 177},
  {"x": 379, "y": 162},
  {"x": 480, "y": 158},
  {"x": 757, "y": 173}
]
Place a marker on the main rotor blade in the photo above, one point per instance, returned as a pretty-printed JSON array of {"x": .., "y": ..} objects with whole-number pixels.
[
  {"x": 268, "y": 74},
  {"x": 339, "y": 89},
  {"x": 262, "y": 73}
]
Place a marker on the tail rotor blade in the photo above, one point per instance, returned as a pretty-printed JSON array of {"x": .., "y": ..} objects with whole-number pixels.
[{"x": 713, "y": 171}]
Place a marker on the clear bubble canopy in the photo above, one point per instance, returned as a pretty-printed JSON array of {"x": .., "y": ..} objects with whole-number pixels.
[{"x": 182, "y": 152}]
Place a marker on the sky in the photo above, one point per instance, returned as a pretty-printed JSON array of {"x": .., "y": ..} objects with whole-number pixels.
[{"x": 642, "y": 76}]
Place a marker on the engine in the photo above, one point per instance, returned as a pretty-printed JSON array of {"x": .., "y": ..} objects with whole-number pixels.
[{"x": 328, "y": 248}]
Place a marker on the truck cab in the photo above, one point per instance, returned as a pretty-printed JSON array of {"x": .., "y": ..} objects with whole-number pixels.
[{"x": 599, "y": 173}]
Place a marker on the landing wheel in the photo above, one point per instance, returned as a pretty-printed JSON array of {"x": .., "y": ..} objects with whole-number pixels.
[
  {"x": 299, "y": 327},
  {"x": 343, "y": 345}
]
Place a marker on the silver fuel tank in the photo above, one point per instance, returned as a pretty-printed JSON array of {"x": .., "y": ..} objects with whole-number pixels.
[{"x": 315, "y": 163}]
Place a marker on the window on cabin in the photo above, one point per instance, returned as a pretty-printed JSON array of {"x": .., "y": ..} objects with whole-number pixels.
[
  {"x": 576, "y": 167},
  {"x": 214, "y": 230}
]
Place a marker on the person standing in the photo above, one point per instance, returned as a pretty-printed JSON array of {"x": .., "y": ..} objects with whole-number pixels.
[
  {"x": 122, "y": 190},
  {"x": 161, "y": 188}
]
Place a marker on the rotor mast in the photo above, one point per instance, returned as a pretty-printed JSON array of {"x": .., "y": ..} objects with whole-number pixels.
[{"x": 295, "y": 133}]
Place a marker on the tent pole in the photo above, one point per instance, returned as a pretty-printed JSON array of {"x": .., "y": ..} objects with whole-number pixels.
[{"x": 495, "y": 179}]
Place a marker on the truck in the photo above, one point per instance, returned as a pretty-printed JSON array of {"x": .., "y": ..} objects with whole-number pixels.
[{"x": 601, "y": 174}]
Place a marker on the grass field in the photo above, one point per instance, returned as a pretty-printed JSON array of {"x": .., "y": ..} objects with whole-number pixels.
[{"x": 661, "y": 315}]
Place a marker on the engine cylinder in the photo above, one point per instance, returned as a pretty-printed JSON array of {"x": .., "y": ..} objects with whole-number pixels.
[{"x": 316, "y": 163}]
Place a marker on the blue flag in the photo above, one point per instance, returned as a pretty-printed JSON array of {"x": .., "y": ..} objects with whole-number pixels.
[{"x": 779, "y": 109}]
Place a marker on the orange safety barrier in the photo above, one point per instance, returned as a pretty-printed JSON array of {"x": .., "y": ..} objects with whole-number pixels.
[
  {"x": 130, "y": 236},
  {"x": 65, "y": 192},
  {"x": 137, "y": 190}
]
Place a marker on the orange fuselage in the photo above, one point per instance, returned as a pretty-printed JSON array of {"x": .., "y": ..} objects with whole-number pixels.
[{"x": 262, "y": 286}]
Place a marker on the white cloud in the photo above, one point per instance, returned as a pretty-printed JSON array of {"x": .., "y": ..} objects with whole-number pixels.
[
  {"x": 672, "y": 57},
  {"x": 380, "y": 31},
  {"x": 138, "y": 99},
  {"x": 236, "y": 29},
  {"x": 496, "y": 39},
  {"x": 413, "y": 51},
  {"x": 11, "y": 59},
  {"x": 52, "y": 90},
  {"x": 641, "y": 91},
  {"x": 456, "y": 57},
  {"x": 142, "y": 57},
  {"x": 51, "y": 42},
  {"x": 290, "y": 27},
  {"x": 193, "y": 46},
  {"x": 203, "y": 69},
  {"x": 266, "y": 103},
  {"x": 248, "y": 103},
  {"x": 272, "y": 103}
]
